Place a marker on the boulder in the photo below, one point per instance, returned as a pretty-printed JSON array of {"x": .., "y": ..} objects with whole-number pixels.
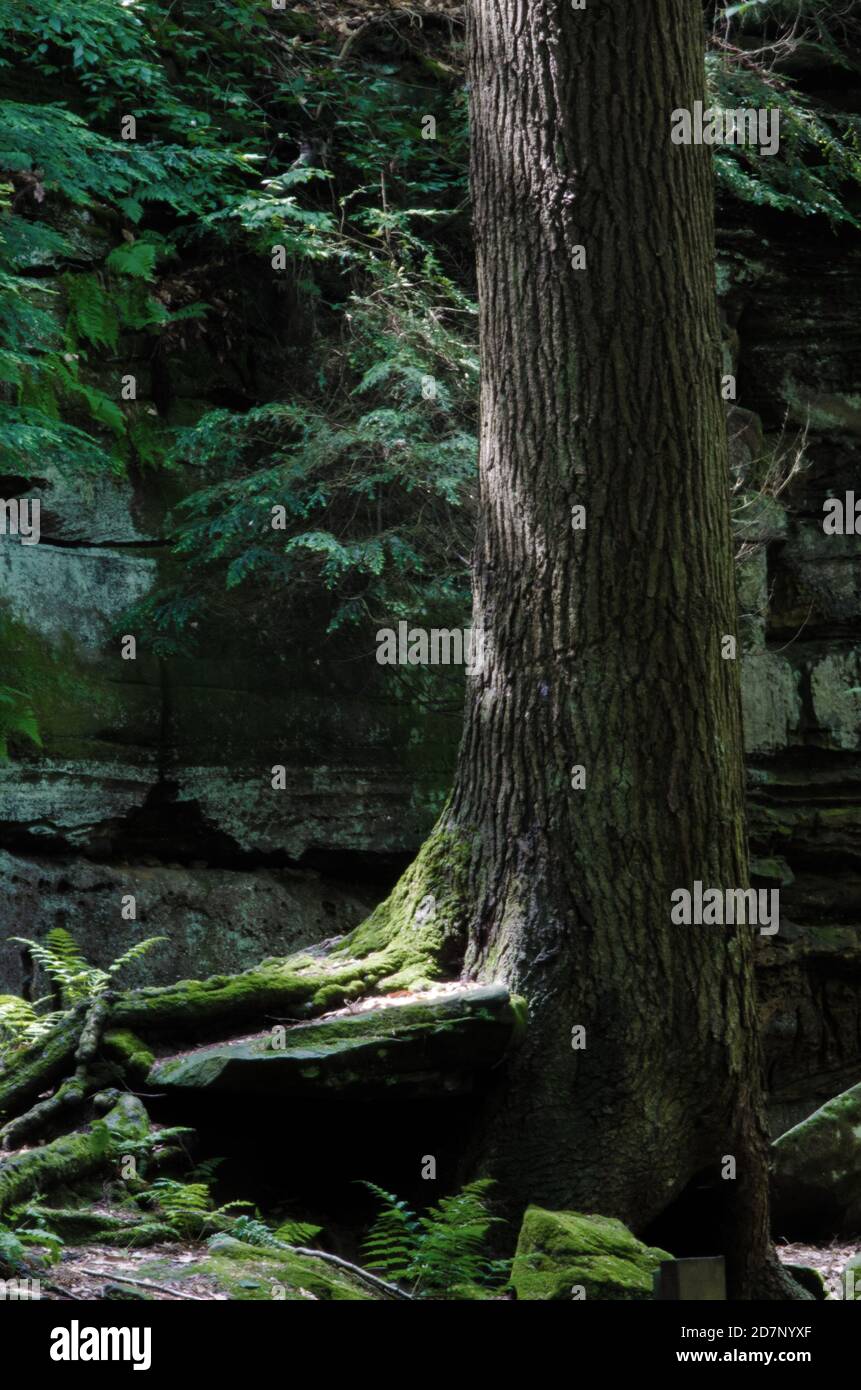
[
  {"x": 817, "y": 1172},
  {"x": 230, "y": 1267},
  {"x": 561, "y": 1252},
  {"x": 421, "y": 1047}
]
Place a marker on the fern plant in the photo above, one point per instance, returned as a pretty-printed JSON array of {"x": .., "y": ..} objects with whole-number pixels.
[
  {"x": 16, "y": 717},
  {"x": 364, "y": 509},
  {"x": 186, "y": 1206},
  {"x": 436, "y": 1252},
  {"x": 23, "y": 1022},
  {"x": 60, "y": 957},
  {"x": 253, "y": 1231},
  {"x": 17, "y": 1244},
  {"x": 297, "y": 1232}
]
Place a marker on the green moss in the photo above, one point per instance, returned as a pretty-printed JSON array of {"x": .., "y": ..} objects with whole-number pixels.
[
  {"x": 74, "y": 1155},
  {"x": 124, "y": 1047},
  {"x": 560, "y": 1251},
  {"x": 33, "y": 1069},
  {"x": 80, "y": 1225},
  {"x": 404, "y": 944},
  {"x": 422, "y": 924},
  {"x": 277, "y": 984},
  {"x": 64, "y": 691},
  {"x": 434, "y": 1044},
  {"x": 843, "y": 940},
  {"x": 247, "y": 1272}
]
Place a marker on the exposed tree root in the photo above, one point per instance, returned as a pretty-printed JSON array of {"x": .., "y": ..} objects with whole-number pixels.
[
  {"x": 82, "y": 1225},
  {"x": 66, "y": 1099},
  {"x": 774, "y": 1283},
  {"x": 74, "y": 1156},
  {"x": 412, "y": 940},
  {"x": 372, "y": 1280},
  {"x": 71, "y": 1094},
  {"x": 407, "y": 943},
  {"x": 37, "y": 1067},
  {"x": 128, "y": 1053},
  {"x": 143, "y": 1284}
]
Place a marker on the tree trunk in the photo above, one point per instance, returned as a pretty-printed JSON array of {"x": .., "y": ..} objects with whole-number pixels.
[
  {"x": 603, "y": 645},
  {"x": 603, "y": 651}
]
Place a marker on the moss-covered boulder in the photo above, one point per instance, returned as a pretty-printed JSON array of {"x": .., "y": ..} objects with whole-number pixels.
[
  {"x": 817, "y": 1172},
  {"x": 560, "y": 1253},
  {"x": 419, "y": 1047},
  {"x": 241, "y": 1271}
]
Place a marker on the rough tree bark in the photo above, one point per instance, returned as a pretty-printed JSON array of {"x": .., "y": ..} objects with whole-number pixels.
[
  {"x": 602, "y": 650},
  {"x": 601, "y": 389}
]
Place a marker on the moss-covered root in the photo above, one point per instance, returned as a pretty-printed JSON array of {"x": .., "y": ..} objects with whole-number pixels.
[
  {"x": 81, "y": 1225},
  {"x": 125, "y": 1050},
  {"x": 72, "y": 1092},
  {"x": 410, "y": 940},
  {"x": 774, "y": 1284},
  {"x": 45, "y": 1113},
  {"x": 36, "y": 1068},
  {"x": 94, "y": 1026},
  {"x": 74, "y": 1156}
]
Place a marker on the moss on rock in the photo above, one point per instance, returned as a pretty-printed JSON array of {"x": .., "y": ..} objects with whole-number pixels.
[
  {"x": 817, "y": 1171},
  {"x": 422, "y": 1046},
  {"x": 248, "y": 1272},
  {"x": 559, "y": 1252}
]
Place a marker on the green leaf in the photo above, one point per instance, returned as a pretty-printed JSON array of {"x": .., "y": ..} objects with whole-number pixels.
[{"x": 136, "y": 258}]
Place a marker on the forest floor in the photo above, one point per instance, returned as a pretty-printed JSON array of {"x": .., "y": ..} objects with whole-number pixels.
[
  {"x": 97, "y": 1272},
  {"x": 830, "y": 1260},
  {"x": 172, "y": 1272}
]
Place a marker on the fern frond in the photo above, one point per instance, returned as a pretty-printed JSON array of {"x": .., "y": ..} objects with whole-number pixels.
[{"x": 141, "y": 948}]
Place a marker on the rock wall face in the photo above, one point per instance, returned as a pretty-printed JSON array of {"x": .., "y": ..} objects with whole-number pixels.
[
  {"x": 792, "y": 306},
  {"x": 155, "y": 776}
]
